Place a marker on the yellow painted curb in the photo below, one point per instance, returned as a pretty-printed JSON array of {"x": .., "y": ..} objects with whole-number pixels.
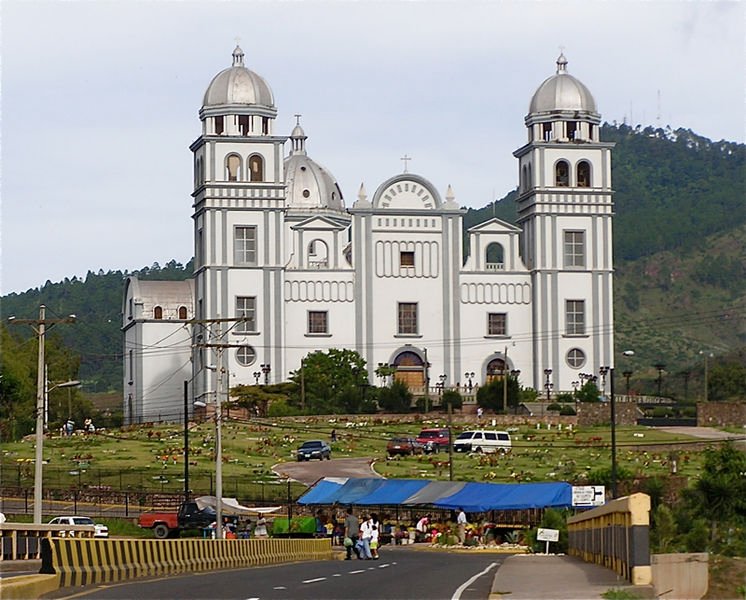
[{"x": 28, "y": 587}]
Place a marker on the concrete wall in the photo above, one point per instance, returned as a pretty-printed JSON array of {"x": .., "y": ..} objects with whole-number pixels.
[
  {"x": 680, "y": 576},
  {"x": 721, "y": 414}
]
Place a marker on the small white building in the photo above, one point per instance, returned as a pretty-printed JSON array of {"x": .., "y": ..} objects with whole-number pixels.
[{"x": 283, "y": 267}]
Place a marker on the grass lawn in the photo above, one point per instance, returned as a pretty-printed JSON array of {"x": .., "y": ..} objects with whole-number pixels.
[{"x": 152, "y": 457}]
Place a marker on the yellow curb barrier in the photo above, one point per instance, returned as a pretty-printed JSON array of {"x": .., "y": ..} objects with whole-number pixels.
[
  {"x": 28, "y": 587},
  {"x": 85, "y": 561}
]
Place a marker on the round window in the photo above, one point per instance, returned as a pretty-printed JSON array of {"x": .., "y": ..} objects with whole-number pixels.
[
  {"x": 306, "y": 193},
  {"x": 576, "y": 358},
  {"x": 303, "y": 168},
  {"x": 245, "y": 356}
]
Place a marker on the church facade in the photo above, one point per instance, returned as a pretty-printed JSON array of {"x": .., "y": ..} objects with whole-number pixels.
[{"x": 284, "y": 267}]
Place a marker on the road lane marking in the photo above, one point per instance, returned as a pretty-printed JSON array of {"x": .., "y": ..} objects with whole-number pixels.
[
  {"x": 337, "y": 575},
  {"x": 358, "y": 571},
  {"x": 280, "y": 587},
  {"x": 383, "y": 566},
  {"x": 468, "y": 582},
  {"x": 314, "y": 580}
]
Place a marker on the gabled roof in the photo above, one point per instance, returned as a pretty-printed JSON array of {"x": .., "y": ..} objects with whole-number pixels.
[{"x": 319, "y": 223}]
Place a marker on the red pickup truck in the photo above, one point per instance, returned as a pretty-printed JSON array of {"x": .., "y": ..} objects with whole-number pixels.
[{"x": 167, "y": 524}]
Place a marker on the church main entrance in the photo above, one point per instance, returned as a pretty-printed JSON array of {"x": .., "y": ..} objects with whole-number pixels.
[
  {"x": 410, "y": 369},
  {"x": 496, "y": 369}
]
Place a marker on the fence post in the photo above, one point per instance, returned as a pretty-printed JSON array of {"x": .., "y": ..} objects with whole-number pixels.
[
  {"x": 75, "y": 501},
  {"x": 25, "y": 499},
  {"x": 126, "y": 505}
]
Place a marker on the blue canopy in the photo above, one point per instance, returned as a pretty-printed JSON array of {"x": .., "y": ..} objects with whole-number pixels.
[
  {"x": 481, "y": 497},
  {"x": 393, "y": 491},
  {"x": 472, "y": 497},
  {"x": 322, "y": 492}
]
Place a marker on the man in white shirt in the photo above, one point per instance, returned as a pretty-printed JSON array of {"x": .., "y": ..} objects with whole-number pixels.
[
  {"x": 366, "y": 534},
  {"x": 461, "y": 522}
]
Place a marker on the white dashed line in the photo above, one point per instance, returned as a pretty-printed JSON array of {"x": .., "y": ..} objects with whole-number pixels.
[
  {"x": 279, "y": 587},
  {"x": 314, "y": 580},
  {"x": 383, "y": 566},
  {"x": 337, "y": 575},
  {"x": 358, "y": 571}
]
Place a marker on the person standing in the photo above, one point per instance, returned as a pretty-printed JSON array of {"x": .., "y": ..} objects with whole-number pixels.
[
  {"x": 352, "y": 528},
  {"x": 461, "y": 523},
  {"x": 375, "y": 535}
]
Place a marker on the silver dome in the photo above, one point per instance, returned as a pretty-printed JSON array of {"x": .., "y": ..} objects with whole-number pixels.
[
  {"x": 238, "y": 85},
  {"x": 562, "y": 92},
  {"x": 309, "y": 185}
]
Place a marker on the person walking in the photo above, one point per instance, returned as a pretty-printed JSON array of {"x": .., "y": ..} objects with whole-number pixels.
[
  {"x": 366, "y": 535},
  {"x": 375, "y": 535},
  {"x": 352, "y": 529},
  {"x": 461, "y": 523}
]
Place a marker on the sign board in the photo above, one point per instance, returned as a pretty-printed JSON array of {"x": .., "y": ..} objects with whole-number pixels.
[
  {"x": 588, "y": 495},
  {"x": 547, "y": 535}
]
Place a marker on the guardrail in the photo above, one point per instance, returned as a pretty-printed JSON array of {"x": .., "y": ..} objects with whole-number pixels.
[
  {"x": 617, "y": 536},
  {"x": 22, "y": 541},
  {"x": 91, "y": 561}
]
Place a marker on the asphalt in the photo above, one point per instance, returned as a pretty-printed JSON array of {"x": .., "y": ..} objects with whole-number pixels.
[
  {"x": 519, "y": 577},
  {"x": 557, "y": 577}
]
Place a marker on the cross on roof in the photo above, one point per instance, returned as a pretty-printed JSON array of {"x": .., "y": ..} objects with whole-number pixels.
[
  {"x": 406, "y": 159},
  {"x": 297, "y": 118}
]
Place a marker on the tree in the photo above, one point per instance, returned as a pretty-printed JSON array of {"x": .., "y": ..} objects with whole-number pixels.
[
  {"x": 397, "y": 398},
  {"x": 719, "y": 495},
  {"x": 588, "y": 393},
  {"x": 451, "y": 397},
  {"x": 492, "y": 395},
  {"x": 330, "y": 382}
]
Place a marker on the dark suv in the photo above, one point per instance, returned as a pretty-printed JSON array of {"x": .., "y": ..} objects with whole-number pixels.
[
  {"x": 434, "y": 440},
  {"x": 314, "y": 449}
]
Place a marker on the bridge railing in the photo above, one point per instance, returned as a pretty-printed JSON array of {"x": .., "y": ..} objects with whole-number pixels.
[
  {"x": 617, "y": 536},
  {"x": 22, "y": 541}
]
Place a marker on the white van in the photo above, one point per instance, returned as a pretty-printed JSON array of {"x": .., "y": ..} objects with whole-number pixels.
[{"x": 483, "y": 441}]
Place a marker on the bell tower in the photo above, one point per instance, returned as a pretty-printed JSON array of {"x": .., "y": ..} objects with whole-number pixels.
[
  {"x": 565, "y": 207},
  {"x": 239, "y": 210}
]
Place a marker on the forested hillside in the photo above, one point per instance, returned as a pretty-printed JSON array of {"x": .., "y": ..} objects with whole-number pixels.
[{"x": 678, "y": 243}]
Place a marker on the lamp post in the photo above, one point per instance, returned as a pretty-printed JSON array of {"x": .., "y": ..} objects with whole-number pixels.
[
  {"x": 67, "y": 384},
  {"x": 547, "y": 383},
  {"x": 706, "y": 356},
  {"x": 514, "y": 374},
  {"x": 603, "y": 371},
  {"x": 627, "y": 375},
  {"x": 441, "y": 383},
  {"x": 613, "y": 433},
  {"x": 469, "y": 377},
  {"x": 660, "y": 367},
  {"x": 266, "y": 369},
  {"x": 257, "y": 375}
]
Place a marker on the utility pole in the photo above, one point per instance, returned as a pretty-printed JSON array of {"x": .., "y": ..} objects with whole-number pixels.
[
  {"x": 450, "y": 441},
  {"x": 186, "y": 441},
  {"x": 505, "y": 381},
  {"x": 219, "y": 442},
  {"x": 41, "y": 330},
  {"x": 427, "y": 382}
]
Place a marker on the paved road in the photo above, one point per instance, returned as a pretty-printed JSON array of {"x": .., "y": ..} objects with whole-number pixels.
[
  {"x": 400, "y": 573},
  {"x": 310, "y": 472},
  {"x": 706, "y": 433}
]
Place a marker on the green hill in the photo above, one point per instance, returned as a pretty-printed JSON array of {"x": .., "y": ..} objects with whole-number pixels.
[{"x": 679, "y": 239}]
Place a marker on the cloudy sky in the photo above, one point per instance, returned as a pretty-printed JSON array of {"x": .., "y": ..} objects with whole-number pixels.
[{"x": 100, "y": 101}]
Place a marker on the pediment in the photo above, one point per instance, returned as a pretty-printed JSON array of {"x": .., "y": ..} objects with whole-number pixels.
[
  {"x": 319, "y": 224},
  {"x": 494, "y": 225},
  {"x": 407, "y": 191}
]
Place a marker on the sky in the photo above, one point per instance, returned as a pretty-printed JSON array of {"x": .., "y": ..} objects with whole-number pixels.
[{"x": 99, "y": 101}]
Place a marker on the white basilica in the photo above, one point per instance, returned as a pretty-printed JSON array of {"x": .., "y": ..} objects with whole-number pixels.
[{"x": 284, "y": 267}]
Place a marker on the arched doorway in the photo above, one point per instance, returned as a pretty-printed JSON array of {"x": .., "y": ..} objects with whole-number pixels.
[
  {"x": 496, "y": 369},
  {"x": 410, "y": 369}
]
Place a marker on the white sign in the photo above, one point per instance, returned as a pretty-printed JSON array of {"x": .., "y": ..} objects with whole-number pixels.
[
  {"x": 588, "y": 495},
  {"x": 547, "y": 535}
]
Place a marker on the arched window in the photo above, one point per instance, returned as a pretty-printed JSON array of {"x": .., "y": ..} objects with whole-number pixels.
[
  {"x": 318, "y": 255},
  {"x": 256, "y": 168},
  {"x": 233, "y": 167},
  {"x": 584, "y": 174},
  {"x": 495, "y": 258},
  {"x": 524, "y": 178},
  {"x": 530, "y": 176},
  {"x": 561, "y": 174},
  {"x": 496, "y": 369},
  {"x": 157, "y": 312},
  {"x": 182, "y": 313}
]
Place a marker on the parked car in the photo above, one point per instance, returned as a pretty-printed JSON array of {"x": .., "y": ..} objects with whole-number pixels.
[
  {"x": 434, "y": 440},
  {"x": 483, "y": 441},
  {"x": 314, "y": 449},
  {"x": 405, "y": 446},
  {"x": 100, "y": 531},
  {"x": 170, "y": 523}
]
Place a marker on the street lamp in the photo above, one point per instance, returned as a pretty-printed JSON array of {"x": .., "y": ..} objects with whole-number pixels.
[
  {"x": 266, "y": 369},
  {"x": 441, "y": 384},
  {"x": 603, "y": 371},
  {"x": 706, "y": 356},
  {"x": 257, "y": 375},
  {"x": 660, "y": 367},
  {"x": 627, "y": 375},
  {"x": 469, "y": 377},
  {"x": 547, "y": 383},
  {"x": 67, "y": 384}
]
